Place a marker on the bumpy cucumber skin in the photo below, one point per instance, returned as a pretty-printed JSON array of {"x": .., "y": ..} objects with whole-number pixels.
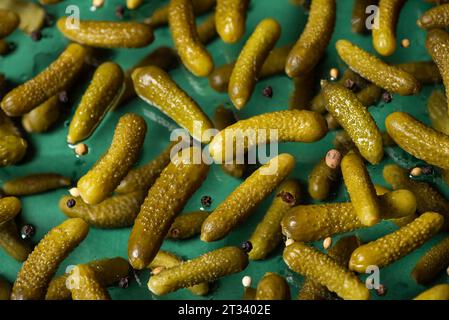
[
  {"x": 165, "y": 199},
  {"x": 273, "y": 64},
  {"x": 206, "y": 30},
  {"x": 143, "y": 177},
  {"x": 426, "y": 72},
  {"x": 324, "y": 270},
  {"x": 185, "y": 37},
  {"x": 9, "y": 21},
  {"x": 187, "y": 225},
  {"x": 155, "y": 86},
  {"x": 390, "y": 78},
  {"x": 310, "y": 223},
  {"x": 230, "y": 17},
  {"x": 5, "y": 289},
  {"x": 9, "y": 208},
  {"x": 312, "y": 44},
  {"x": 272, "y": 287},
  {"x": 321, "y": 180},
  {"x": 35, "y": 183},
  {"x": 432, "y": 263},
  {"x": 268, "y": 234},
  {"x": 384, "y": 37},
  {"x": 250, "y": 61},
  {"x": 419, "y": 140},
  {"x": 107, "y": 34},
  {"x": 36, "y": 272},
  {"x": 398, "y": 244},
  {"x": 341, "y": 253},
  {"x": 167, "y": 259},
  {"x": 101, "y": 180},
  {"x": 162, "y": 57},
  {"x": 355, "y": 119},
  {"x": 41, "y": 118},
  {"x": 108, "y": 272},
  {"x": 115, "y": 212},
  {"x": 12, "y": 243},
  {"x": 103, "y": 92},
  {"x": 438, "y": 292},
  {"x": 54, "y": 79},
  {"x": 435, "y": 18},
  {"x": 361, "y": 189},
  {"x": 359, "y": 16},
  {"x": 291, "y": 125},
  {"x": 208, "y": 267},
  {"x": 437, "y": 109},
  {"x": 86, "y": 285},
  {"x": 427, "y": 197},
  {"x": 160, "y": 15},
  {"x": 239, "y": 205}
]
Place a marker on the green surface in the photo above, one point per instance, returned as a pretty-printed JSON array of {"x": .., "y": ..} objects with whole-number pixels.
[{"x": 51, "y": 153}]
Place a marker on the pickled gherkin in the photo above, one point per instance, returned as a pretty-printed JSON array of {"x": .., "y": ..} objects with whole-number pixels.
[
  {"x": 187, "y": 225},
  {"x": 41, "y": 118},
  {"x": 85, "y": 285},
  {"x": 35, "y": 183},
  {"x": 9, "y": 208},
  {"x": 11, "y": 242},
  {"x": 272, "y": 287}
]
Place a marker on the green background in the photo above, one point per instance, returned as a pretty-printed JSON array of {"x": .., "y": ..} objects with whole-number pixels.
[{"x": 51, "y": 153}]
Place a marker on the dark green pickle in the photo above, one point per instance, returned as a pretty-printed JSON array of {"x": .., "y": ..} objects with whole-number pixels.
[
  {"x": 272, "y": 287},
  {"x": 11, "y": 242},
  {"x": 432, "y": 263},
  {"x": 35, "y": 183},
  {"x": 187, "y": 225}
]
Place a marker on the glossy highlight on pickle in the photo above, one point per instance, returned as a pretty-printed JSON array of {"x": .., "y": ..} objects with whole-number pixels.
[
  {"x": 230, "y": 17},
  {"x": 384, "y": 37},
  {"x": 35, "y": 183}
]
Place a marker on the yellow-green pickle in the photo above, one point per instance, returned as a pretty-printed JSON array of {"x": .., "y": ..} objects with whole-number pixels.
[
  {"x": 85, "y": 284},
  {"x": 208, "y": 267},
  {"x": 35, "y": 183},
  {"x": 435, "y": 18},
  {"x": 108, "y": 271},
  {"x": 9, "y": 21},
  {"x": 384, "y": 35},
  {"x": 438, "y": 292},
  {"x": 437, "y": 109},
  {"x": 11, "y": 242},
  {"x": 272, "y": 287},
  {"x": 41, "y": 118},
  {"x": 321, "y": 180},
  {"x": 230, "y": 17},
  {"x": 36, "y": 272},
  {"x": 187, "y": 225},
  {"x": 9, "y": 208}
]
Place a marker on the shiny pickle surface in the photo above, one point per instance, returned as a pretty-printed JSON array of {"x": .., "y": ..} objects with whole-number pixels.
[
  {"x": 133, "y": 4},
  {"x": 230, "y": 19},
  {"x": 360, "y": 189},
  {"x": 250, "y": 61},
  {"x": 185, "y": 37},
  {"x": 341, "y": 253},
  {"x": 85, "y": 285},
  {"x": 240, "y": 204},
  {"x": 291, "y": 125},
  {"x": 54, "y": 79},
  {"x": 36, "y": 272},
  {"x": 160, "y": 15},
  {"x": 268, "y": 234},
  {"x": 11, "y": 242},
  {"x": 9, "y": 208},
  {"x": 310, "y": 223},
  {"x": 41, "y": 118},
  {"x": 355, "y": 119},
  {"x": 108, "y": 271},
  {"x": 384, "y": 37},
  {"x": 435, "y": 18},
  {"x": 154, "y": 86},
  {"x": 436, "y": 43},
  {"x": 101, "y": 180},
  {"x": 35, "y": 183},
  {"x": 388, "y": 77},
  {"x": 118, "y": 211},
  {"x": 437, "y": 110},
  {"x": 208, "y": 267},
  {"x": 313, "y": 41},
  {"x": 187, "y": 225},
  {"x": 107, "y": 34},
  {"x": 143, "y": 177},
  {"x": 274, "y": 64},
  {"x": 162, "y": 57},
  {"x": 32, "y": 16},
  {"x": 272, "y": 287},
  {"x": 428, "y": 198},
  {"x": 432, "y": 263},
  {"x": 5, "y": 289},
  {"x": 223, "y": 118},
  {"x": 359, "y": 15},
  {"x": 165, "y": 199},
  {"x": 104, "y": 91},
  {"x": 165, "y": 259},
  {"x": 419, "y": 140},
  {"x": 321, "y": 180},
  {"x": 324, "y": 270},
  {"x": 9, "y": 21},
  {"x": 392, "y": 247},
  {"x": 438, "y": 292}
]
